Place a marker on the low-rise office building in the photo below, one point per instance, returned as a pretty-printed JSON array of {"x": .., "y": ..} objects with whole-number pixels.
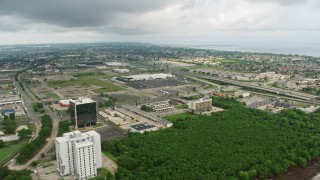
[
  {"x": 161, "y": 106},
  {"x": 199, "y": 105}
]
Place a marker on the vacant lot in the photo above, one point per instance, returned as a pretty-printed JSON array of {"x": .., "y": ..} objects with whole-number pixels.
[
  {"x": 104, "y": 86},
  {"x": 90, "y": 75},
  {"x": 52, "y": 95}
]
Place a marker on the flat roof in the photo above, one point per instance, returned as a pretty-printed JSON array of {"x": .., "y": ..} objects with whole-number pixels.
[
  {"x": 143, "y": 126},
  {"x": 82, "y": 100},
  {"x": 202, "y": 100},
  {"x": 8, "y": 110},
  {"x": 83, "y": 144},
  {"x": 76, "y": 135}
]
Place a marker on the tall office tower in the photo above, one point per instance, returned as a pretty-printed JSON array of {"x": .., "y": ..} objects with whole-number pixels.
[
  {"x": 83, "y": 112},
  {"x": 78, "y": 154}
]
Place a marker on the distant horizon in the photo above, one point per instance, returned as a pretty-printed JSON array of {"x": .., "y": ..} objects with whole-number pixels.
[
  {"x": 286, "y": 48},
  {"x": 273, "y": 26}
]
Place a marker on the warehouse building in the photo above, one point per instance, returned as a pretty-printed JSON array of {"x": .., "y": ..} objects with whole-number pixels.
[
  {"x": 78, "y": 154},
  {"x": 145, "y": 77},
  {"x": 121, "y": 70},
  {"x": 143, "y": 127},
  {"x": 148, "y": 116}
]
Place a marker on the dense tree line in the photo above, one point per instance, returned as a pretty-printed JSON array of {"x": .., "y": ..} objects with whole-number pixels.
[
  {"x": 28, "y": 151},
  {"x": 146, "y": 108},
  {"x": 64, "y": 127},
  {"x": 239, "y": 143},
  {"x": 7, "y": 174},
  {"x": 24, "y": 133},
  {"x": 9, "y": 124}
]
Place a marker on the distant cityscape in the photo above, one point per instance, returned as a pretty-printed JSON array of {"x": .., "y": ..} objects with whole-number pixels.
[{"x": 85, "y": 110}]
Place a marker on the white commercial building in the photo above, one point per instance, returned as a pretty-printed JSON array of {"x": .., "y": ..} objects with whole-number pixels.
[
  {"x": 145, "y": 77},
  {"x": 121, "y": 70},
  {"x": 78, "y": 154},
  {"x": 114, "y": 64},
  {"x": 141, "y": 128}
]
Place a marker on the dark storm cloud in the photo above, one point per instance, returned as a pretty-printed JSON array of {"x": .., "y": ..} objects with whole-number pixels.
[{"x": 76, "y": 13}]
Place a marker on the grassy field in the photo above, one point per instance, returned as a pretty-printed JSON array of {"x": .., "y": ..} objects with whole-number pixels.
[
  {"x": 24, "y": 120},
  {"x": 213, "y": 85},
  {"x": 90, "y": 75},
  {"x": 226, "y": 61},
  {"x": 181, "y": 106},
  {"x": 111, "y": 156},
  {"x": 181, "y": 116},
  {"x": 102, "y": 173},
  {"x": 6, "y": 153},
  {"x": 105, "y": 86},
  {"x": 32, "y": 126},
  {"x": 52, "y": 95}
]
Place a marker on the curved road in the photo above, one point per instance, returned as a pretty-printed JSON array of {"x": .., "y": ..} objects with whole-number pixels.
[{"x": 55, "y": 119}]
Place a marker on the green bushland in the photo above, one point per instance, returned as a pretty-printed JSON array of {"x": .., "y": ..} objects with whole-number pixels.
[
  {"x": 146, "y": 108},
  {"x": 7, "y": 174},
  {"x": 181, "y": 106},
  {"x": 64, "y": 127},
  {"x": 239, "y": 143},
  {"x": 30, "y": 149},
  {"x": 103, "y": 174}
]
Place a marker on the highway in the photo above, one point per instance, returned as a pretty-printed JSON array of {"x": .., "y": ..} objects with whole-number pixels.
[{"x": 289, "y": 93}]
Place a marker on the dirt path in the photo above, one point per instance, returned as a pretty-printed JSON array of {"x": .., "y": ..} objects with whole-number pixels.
[
  {"x": 109, "y": 164},
  {"x": 298, "y": 173}
]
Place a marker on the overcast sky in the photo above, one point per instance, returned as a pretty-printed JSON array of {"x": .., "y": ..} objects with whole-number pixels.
[{"x": 160, "y": 21}]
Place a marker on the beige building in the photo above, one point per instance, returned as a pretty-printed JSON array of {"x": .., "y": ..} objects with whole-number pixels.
[
  {"x": 161, "y": 106},
  {"x": 241, "y": 94},
  {"x": 199, "y": 105}
]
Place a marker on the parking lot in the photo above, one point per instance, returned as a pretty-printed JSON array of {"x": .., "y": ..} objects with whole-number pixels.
[
  {"x": 111, "y": 132},
  {"x": 156, "y": 83}
]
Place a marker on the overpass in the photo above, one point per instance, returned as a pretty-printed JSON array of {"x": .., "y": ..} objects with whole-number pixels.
[{"x": 289, "y": 93}]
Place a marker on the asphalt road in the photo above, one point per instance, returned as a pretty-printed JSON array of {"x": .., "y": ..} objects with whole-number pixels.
[
  {"x": 50, "y": 141},
  {"x": 28, "y": 104}
]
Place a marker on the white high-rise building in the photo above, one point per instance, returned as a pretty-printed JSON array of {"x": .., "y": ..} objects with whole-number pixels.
[{"x": 79, "y": 154}]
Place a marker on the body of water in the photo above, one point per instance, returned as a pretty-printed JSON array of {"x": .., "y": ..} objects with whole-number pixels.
[{"x": 277, "y": 48}]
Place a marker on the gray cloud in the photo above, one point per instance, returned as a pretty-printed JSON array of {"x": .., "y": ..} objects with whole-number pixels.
[
  {"x": 282, "y": 2},
  {"x": 83, "y": 20},
  {"x": 76, "y": 13}
]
